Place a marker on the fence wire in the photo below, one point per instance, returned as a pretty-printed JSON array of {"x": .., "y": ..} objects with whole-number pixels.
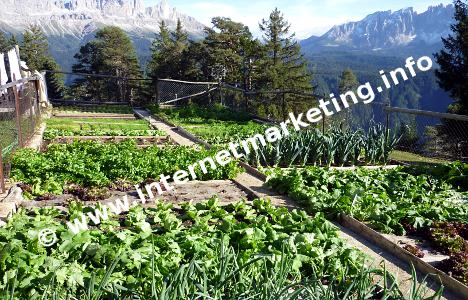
[
  {"x": 19, "y": 117},
  {"x": 177, "y": 92},
  {"x": 429, "y": 134}
]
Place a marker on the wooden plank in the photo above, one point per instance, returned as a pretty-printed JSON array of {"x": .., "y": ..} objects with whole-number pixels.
[{"x": 378, "y": 239}]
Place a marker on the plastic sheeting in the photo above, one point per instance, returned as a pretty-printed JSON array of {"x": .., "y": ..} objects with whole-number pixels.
[
  {"x": 15, "y": 70},
  {"x": 3, "y": 72}
]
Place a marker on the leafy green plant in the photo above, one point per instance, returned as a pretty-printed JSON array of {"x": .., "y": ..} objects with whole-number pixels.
[
  {"x": 95, "y": 164},
  {"x": 385, "y": 199},
  {"x": 149, "y": 254}
]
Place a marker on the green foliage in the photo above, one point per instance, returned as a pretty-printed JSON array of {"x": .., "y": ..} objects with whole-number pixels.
[
  {"x": 4, "y": 43},
  {"x": 35, "y": 52},
  {"x": 337, "y": 148},
  {"x": 87, "y": 124},
  {"x": 202, "y": 113},
  {"x": 230, "y": 45},
  {"x": 34, "y": 48},
  {"x": 216, "y": 125},
  {"x": 453, "y": 60},
  {"x": 57, "y": 127},
  {"x": 94, "y": 164},
  {"x": 111, "y": 109},
  {"x": 284, "y": 67},
  {"x": 101, "y": 56},
  {"x": 169, "y": 252},
  {"x": 386, "y": 199}
]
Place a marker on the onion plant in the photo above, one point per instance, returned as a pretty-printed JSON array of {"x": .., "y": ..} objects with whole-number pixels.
[{"x": 334, "y": 148}]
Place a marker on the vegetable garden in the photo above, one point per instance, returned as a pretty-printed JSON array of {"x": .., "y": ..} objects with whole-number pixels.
[{"x": 249, "y": 249}]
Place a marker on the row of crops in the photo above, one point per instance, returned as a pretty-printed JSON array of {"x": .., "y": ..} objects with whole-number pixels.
[
  {"x": 203, "y": 251},
  {"x": 219, "y": 126},
  {"x": 59, "y": 127},
  {"x": 245, "y": 250},
  {"x": 430, "y": 203}
]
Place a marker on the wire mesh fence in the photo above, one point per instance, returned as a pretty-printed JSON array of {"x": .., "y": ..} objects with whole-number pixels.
[
  {"x": 97, "y": 89},
  {"x": 430, "y": 134},
  {"x": 178, "y": 92},
  {"x": 420, "y": 134},
  {"x": 19, "y": 117}
]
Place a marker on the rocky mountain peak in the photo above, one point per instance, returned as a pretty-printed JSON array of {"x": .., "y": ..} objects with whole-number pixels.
[{"x": 387, "y": 29}]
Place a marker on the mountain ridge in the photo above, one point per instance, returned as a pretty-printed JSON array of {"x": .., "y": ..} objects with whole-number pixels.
[
  {"x": 68, "y": 24},
  {"x": 386, "y": 30}
]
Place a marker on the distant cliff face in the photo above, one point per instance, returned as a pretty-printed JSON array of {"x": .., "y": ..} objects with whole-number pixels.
[
  {"x": 70, "y": 23},
  {"x": 388, "y": 29}
]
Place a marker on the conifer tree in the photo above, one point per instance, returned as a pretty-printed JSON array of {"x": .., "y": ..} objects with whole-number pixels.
[
  {"x": 453, "y": 60},
  {"x": 229, "y": 45},
  {"x": 284, "y": 65},
  {"x": 13, "y": 41},
  {"x": 110, "y": 53},
  {"x": 160, "y": 66},
  {"x": 35, "y": 52},
  {"x": 4, "y": 43},
  {"x": 180, "y": 44},
  {"x": 35, "y": 48},
  {"x": 348, "y": 82}
]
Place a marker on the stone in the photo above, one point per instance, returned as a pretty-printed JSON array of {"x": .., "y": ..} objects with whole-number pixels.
[
  {"x": 14, "y": 196},
  {"x": 7, "y": 209}
]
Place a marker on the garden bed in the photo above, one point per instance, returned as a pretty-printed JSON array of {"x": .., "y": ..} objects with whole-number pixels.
[
  {"x": 165, "y": 251},
  {"x": 141, "y": 141},
  {"x": 66, "y": 127},
  {"x": 195, "y": 191},
  {"x": 417, "y": 203}
]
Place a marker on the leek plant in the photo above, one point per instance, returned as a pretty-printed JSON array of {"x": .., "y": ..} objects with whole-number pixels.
[
  {"x": 334, "y": 148},
  {"x": 264, "y": 277}
]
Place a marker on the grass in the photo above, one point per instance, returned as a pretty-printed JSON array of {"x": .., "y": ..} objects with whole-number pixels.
[{"x": 409, "y": 157}]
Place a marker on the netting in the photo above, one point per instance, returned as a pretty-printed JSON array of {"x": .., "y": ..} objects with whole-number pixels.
[
  {"x": 175, "y": 91},
  {"x": 19, "y": 117},
  {"x": 431, "y": 134}
]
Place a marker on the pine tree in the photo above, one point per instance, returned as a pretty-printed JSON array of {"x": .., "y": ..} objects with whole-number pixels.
[
  {"x": 110, "y": 53},
  {"x": 180, "y": 44},
  {"x": 453, "y": 60},
  {"x": 229, "y": 45},
  {"x": 348, "y": 82},
  {"x": 55, "y": 81},
  {"x": 160, "y": 65},
  {"x": 283, "y": 66},
  {"x": 35, "y": 52},
  {"x": 13, "y": 41},
  {"x": 4, "y": 43},
  {"x": 34, "y": 49}
]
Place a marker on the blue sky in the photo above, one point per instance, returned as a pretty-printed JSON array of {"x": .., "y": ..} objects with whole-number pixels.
[{"x": 307, "y": 17}]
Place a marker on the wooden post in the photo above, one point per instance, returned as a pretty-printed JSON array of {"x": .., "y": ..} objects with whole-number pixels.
[
  {"x": 38, "y": 98},
  {"x": 387, "y": 124},
  {"x": 283, "y": 104},
  {"x": 323, "y": 125},
  {"x": 18, "y": 114},
  {"x": 2, "y": 175}
]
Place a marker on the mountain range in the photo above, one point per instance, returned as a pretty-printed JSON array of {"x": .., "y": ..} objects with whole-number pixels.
[
  {"x": 379, "y": 41},
  {"x": 387, "y": 32},
  {"x": 68, "y": 24}
]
